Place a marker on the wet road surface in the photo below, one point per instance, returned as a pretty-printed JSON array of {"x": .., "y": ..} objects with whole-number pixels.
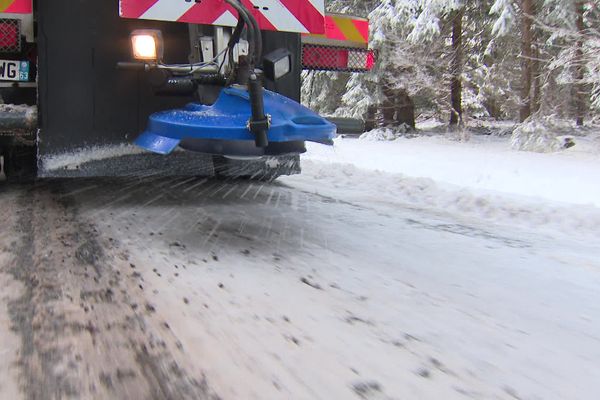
[{"x": 190, "y": 288}]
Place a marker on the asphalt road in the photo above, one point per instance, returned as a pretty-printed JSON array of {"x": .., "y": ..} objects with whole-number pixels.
[{"x": 162, "y": 288}]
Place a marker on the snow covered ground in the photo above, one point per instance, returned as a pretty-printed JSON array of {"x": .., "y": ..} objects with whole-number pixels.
[
  {"x": 483, "y": 178},
  {"x": 483, "y": 163},
  {"x": 311, "y": 290},
  {"x": 414, "y": 269}
]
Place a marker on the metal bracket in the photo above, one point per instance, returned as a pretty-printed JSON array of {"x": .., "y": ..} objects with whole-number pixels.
[
  {"x": 207, "y": 48},
  {"x": 221, "y": 40},
  {"x": 240, "y": 49},
  {"x": 266, "y": 123}
]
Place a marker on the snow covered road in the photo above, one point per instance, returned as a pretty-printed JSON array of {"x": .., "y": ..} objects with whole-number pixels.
[{"x": 312, "y": 287}]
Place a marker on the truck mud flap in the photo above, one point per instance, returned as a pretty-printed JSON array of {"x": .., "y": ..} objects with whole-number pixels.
[
  {"x": 125, "y": 161},
  {"x": 129, "y": 161}
]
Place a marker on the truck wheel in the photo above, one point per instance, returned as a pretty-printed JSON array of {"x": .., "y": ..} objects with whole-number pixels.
[{"x": 20, "y": 164}]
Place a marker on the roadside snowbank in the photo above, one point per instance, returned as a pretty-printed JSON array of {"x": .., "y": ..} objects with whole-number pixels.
[
  {"x": 381, "y": 188},
  {"x": 482, "y": 179},
  {"x": 486, "y": 163}
]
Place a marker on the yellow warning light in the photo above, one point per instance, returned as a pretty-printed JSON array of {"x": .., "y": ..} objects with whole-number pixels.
[{"x": 147, "y": 45}]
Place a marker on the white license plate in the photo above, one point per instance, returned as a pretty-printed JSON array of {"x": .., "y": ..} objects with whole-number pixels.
[{"x": 14, "y": 70}]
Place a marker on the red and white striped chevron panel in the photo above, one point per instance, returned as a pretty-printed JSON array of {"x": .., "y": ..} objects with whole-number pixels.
[{"x": 303, "y": 16}]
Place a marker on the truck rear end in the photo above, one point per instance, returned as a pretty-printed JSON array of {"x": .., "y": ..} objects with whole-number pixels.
[
  {"x": 18, "y": 84},
  {"x": 69, "y": 111}
]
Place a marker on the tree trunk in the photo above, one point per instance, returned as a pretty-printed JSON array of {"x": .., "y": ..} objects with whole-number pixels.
[
  {"x": 456, "y": 67},
  {"x": 397, "y": 108},
  {"x": 405, "y": 109},
  {"x": 528, "y": 65},
  {"x": 388, "y": 108},
  {"x": 580, "y": 93},
  {"x": 371, "y": 118}
]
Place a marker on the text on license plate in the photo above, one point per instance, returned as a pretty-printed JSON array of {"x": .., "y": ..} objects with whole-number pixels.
[{"x": 14, "y": 70}]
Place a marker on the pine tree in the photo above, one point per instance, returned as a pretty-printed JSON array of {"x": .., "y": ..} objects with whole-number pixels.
[{"x": 506, "y": 59}]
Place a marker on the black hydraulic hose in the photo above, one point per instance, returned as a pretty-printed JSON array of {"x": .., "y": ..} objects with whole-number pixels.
[
  {"x": 177, "y": 86},
  {"x": 235, "y": 38},
  {"x": 254, "y": 35},
  {"x": 244, "y": 17},
  {"x": 259, "y": 123},
  {"x": 237, "y": 32},
  {"x": 257, "y": 35}
]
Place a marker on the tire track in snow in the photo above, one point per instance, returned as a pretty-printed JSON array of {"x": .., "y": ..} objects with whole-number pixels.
[{"x": 83, "y": 332}]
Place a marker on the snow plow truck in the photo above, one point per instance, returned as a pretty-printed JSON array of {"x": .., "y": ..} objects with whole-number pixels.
[{"x": 180, "y": 87}]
